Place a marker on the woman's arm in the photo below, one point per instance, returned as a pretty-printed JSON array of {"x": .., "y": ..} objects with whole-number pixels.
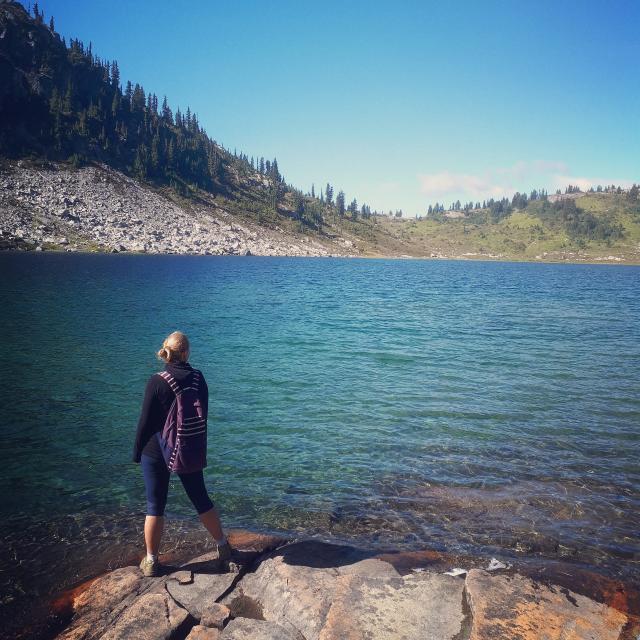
[
  {"x": 150, "y": 417},
  {"x": 205, "y": 395}
]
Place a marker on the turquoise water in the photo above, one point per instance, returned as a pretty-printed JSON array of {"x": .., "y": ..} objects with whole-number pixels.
[{"x": 484, "y": 407}]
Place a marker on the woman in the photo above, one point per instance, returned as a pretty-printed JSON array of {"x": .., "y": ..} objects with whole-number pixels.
[{"x": 158, "y": 398}]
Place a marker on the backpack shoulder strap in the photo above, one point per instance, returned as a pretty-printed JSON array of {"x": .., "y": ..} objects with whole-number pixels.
[{"x": 171, "y": 381}]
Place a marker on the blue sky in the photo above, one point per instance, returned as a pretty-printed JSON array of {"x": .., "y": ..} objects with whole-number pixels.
[{"x": 399, "y": 104}]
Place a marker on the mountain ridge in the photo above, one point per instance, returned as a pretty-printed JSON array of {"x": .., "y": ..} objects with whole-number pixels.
[{"x": 62, "y": 110}]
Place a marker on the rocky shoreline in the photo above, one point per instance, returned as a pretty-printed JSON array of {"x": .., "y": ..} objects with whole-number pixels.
[
  {"x": 311, "y": 590},
  {"x": 96, "y": 208}
]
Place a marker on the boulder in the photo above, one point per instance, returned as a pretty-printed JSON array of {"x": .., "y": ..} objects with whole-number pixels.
[
  {"x": 108, "y": 590},
  {"x": 183, "y": 577},
  {"x": 153, "y": 616},
  {"x": 421, "y": 606},
  {"x": 96, "y": 607},
  {"x": 515, "y": 607},
  {"x": 215, "y": 615},
  {"x": 203, "y": 633},
  {"x": 248, "y": 629},
  {"x": 326, "y": 592},
  {"x": 370, "y": 568},
  {"x": 280, "y": 592},
  {"x": 202, "y": 592}
]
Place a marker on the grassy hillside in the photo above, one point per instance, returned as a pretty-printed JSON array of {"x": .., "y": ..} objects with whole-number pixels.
[{"x": 604, "y": 227}]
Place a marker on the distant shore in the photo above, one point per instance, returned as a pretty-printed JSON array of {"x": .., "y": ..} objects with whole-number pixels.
[
  {"x": 98, "y": 209},
  {"x": 612, "y": 261}
]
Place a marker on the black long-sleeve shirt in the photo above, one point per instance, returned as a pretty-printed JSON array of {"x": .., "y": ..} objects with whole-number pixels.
[{"x": 158, "y": 398}]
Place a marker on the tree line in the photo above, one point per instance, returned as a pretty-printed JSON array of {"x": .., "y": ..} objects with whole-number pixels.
[{"x": 80, "y": 112}]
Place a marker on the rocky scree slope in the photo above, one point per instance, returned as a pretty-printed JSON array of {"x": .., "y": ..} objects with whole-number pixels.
[{"x": 97, "y": 208}]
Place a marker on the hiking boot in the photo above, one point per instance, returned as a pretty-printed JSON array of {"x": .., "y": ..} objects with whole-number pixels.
[
  {"x": 224, "y": 552},
  {"x": 149, "y": 568}
]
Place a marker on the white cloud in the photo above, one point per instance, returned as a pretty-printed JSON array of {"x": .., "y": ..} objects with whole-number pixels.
[
  {"x": 438, "y": 184},
  {"x": 505, "y": 181}
]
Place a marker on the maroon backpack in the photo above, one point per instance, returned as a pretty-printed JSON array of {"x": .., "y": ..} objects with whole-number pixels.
[{"x": 183, "y": 438}]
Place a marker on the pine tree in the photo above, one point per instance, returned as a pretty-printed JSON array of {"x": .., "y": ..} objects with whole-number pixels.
[
  {"x": 115, "y": 75},
  {"x": 298, "y": 205},
  {"x": 340, "y": 203},
  {"x": 167, "y": 115},
  {"x": 128, "y": 95},
  {"x": 328, "y": 194}
]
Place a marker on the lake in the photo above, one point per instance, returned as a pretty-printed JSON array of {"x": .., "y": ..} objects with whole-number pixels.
[{"x": 477, "y": 407}]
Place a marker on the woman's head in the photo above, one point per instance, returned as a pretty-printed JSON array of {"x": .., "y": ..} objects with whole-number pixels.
[{"x": 175, "y": 348}]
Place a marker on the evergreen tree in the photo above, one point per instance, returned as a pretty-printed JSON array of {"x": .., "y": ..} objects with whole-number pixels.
[
  {"x": 340, "y": 203},
  {"x": 298, "y": 205},
  {"x": 275, "y": 174},
  {"x": 328, "y": 194},
  {"x": 166, "y": 114}
]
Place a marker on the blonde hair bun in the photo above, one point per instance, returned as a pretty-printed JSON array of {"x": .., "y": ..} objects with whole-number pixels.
[{"x": 175, "y": 348}]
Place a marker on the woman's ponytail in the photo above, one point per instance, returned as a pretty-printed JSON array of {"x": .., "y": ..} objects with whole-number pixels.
[{"x": 175, "y": 348}]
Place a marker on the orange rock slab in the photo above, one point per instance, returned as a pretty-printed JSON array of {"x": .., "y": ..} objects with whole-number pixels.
[{"x": 512, "y": 607}]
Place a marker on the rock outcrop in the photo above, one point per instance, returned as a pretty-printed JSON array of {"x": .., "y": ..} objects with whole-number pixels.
[
  {"x": 317, "y": 591},
  {"x": 99, "y": 209}
]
